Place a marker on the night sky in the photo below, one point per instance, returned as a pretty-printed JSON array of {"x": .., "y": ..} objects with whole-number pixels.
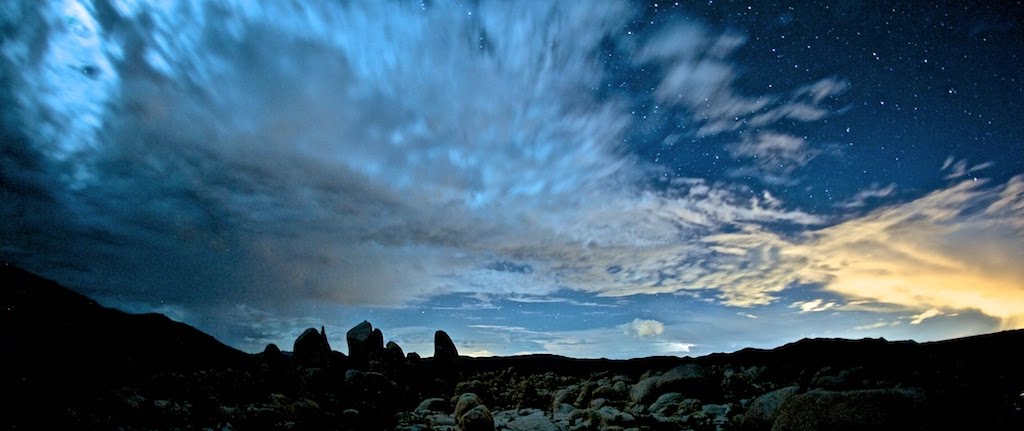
[{"x": 591, "y": 179}]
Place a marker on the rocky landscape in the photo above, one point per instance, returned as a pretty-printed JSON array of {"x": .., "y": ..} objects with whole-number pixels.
[{"x": 69, "y": 363}]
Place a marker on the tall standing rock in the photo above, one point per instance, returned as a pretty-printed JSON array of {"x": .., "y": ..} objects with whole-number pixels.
[
  {"x": 393, "y": 361},
  {"x": 311, "y": 349},
  {"x": 446, "y": 358},
  {"x": 364, "y": 344}
]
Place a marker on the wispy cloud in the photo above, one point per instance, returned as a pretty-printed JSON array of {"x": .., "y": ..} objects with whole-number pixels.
[
  {"x": 774, "y": 156},
  {"x": 862, "y": 197},
  {"x": 876, "y": 325},
  {"x": 927, "y": 314},
  {"x": 700, "y": 75},
  {"x": 962, "y": 168},
  {"x": 813, "y": 306}
]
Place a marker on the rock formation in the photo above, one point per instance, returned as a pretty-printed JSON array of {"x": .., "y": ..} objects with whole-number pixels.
[
  {"x": 365, "y": 344},
  {"x": 446, "y": 358},
  {"x": 311, "y": 349}
]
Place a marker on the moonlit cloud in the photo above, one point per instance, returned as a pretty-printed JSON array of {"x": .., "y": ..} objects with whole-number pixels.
[
  {"x": 928, "y": 314},
  {"x": 700, "y": 75},
  {"x": 813, "y": 306},
  {"x": 875, "y": 325},
  {"x": 643, "y": 328},
  {"x": 862, "y": 197},
  {"x": 775, "y": 156},
  {"x": 961, "y": 168}
]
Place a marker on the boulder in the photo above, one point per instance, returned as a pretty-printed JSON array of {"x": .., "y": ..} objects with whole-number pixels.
[
  {"x": 466, "y": 402},
  {"x": 478, "y": 388},
  {"x": 715, "y": 414},
  {"x": 440, "y": 421},
  {"x": 562, "y": 410},
  {"x": 394, "y": 351},
  {"x": 611, "y": 416},
  {"x": 393, "y": 360},
  {"x": 765, "y": 408},
  {"x": 743, "y": 382},
  {"x": 272, "y": 356},
  {"x": 478, "y": 418},
  {"x": 839, "y": 379},
  {"x": 311, "y": 348},
  {"x": 373, "y": 393},
  {"x": 875, "y": 409},
  {"x": 566, "y": 395},
  {"x": 446, "y": 358},
  {"x": 673, "y": 404},
  {"x": 272, "y": 350},
  {"x": 525, "y": 420},
  {"x": 689, "y": 379},
  {"x": 364, "y": 343},
  {"x": 431, "y": 405}
]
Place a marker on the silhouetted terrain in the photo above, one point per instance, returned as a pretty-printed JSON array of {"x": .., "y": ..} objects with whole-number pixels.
[{"x": 69, "y": 363}]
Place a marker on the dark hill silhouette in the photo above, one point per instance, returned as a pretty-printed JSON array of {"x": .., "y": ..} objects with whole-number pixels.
[
  {"x": 59, "y": 347},
  {"x": 53, "y": 323},
  {"x": 67, "y": 362}
]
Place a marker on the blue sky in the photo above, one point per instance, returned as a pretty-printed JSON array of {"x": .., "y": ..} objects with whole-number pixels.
[{"x": 607, "y": 178}]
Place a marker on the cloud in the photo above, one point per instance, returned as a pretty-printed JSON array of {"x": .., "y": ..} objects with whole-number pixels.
[
  {"x": 642, "y": 328},
  {"x": 279, "y": 149},
  {"x": 928, "y": 314},
  {"x": 860, "y": 199},
  {"x": 875, "y": 325},
  {"x": 813, "y": 306},
  {"x": 504, "y": 328},
  {"x": 957, "y": 248},
  {"x": 478, "y": 353},
  {"x": 674, "y": 348},
  {"x": 775, "y": 156},
  {"x": 698, "y": 74},
  {"x": 961, "y": 168},
  {"x": 367, "y": 154}
]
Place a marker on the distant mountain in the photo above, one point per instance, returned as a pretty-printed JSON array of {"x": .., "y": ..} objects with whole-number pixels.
[{"x": 68, "y": 363}]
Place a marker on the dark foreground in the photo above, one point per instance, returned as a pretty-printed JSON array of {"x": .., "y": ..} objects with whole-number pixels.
[{"x": 68, "y": 363}]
